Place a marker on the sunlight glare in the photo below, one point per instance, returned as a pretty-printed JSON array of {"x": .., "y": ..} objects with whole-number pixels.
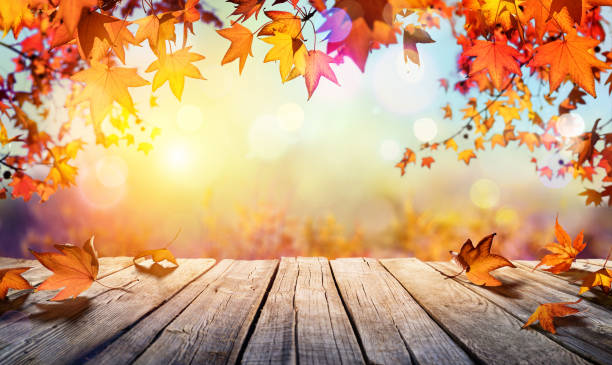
[
  {"x": 189, "y": 118},
  {"x": 425, "y": 129},
  {"x": 290, "y": 117},
  {"x": 570, "y": 124},
  {"x": 484, "y": 193},
  {"x": 390, "y": 150},
  {"x": 111, "y": 171}
]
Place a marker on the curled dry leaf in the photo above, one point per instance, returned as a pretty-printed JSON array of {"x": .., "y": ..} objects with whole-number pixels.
[
  {"x": 478, "y": 261},
  {"x": 564, "y": 252},
  {"x": 547, "y": 311},
  {"x": 157, "y": 255},
  {"x": 74, "y": 269},
  {"x": 601, "y": 278},
  {"x": 12, "y": 279}
]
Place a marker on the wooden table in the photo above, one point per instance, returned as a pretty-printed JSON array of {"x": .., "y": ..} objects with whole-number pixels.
[{"x": 303, "y": 311}]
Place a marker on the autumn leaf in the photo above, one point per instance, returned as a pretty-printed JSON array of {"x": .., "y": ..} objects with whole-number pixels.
[
  {"x": 531, "y": 140},
  {"x": 570, "y": 57},
  {"x": 498, "y": 58},
  {"x": 546, "y": 312},
  {"x": 174, "y": 68},
  {"x": 96, "y": 33},
  {"x": 157, "y": 255},
  {"x": 564, "y": 252},
  {"x": 23, "y": 186},
  {"x": 282, "y": 22},
  {"x": 104, "y": 85},
  {"x": 69, "y": 12},
  {"x": 427, "y": 161},
  {"x": 478, "y": 262},
  {"x": 412, "y": 36},
  {"x": 157, "y": 30},
  {"x": 283, "y": 50},
  {"x": 74, "y": 269},
  {"x": 450, "y": 143},
  {"x": 13, "y": 14},
  {"x": 11, "y": 279},
  {"x": 592, "y": 197},
  {"x": 601, "y": 278},
  {"x": 145, "y": 147},
  {"x": 317, "y": 65},
  {"x": 466, "y": 156},
  {"x": 241, "y": 38},
  {"x": 409, "y": 157}
]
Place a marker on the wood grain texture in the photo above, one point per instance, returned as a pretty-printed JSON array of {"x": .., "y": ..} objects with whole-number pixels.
[
  {"x": 129, "y": 345},
  {"x": 564, "y": 283},
  {"x": 64, "y": 332},
  {"x": 303, "y": 320},
  {"x": 488, "y": 332},
  {"x": 213, "y": 328},
  {"x": 588, "y": 334},
  {"x": 392, "y": 327}
]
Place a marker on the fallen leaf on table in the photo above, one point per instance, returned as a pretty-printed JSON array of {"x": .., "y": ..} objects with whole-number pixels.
[
  {"x": 74, "y": 269},
  {"x": 547, "y": 311},
  {"x": 157, "y": 255},
  {"x": 564, "y": 252},
  {"x": 479, "y": 261},
  {"x": 601, "y": 278},
  {"x": 12, "y": 279}
]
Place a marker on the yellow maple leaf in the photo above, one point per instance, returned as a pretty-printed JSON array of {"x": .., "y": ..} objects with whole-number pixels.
[
  {"x": 104, "y": 85},
  {"x": 284, "y": 51},
  {"x": 174, "y": 67}
]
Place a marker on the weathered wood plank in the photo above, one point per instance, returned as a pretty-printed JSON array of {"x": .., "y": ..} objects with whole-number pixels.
[
  {"x": 64, "y": 332},
  {"x": 573, "y": 276},
  {"x": 129, "y": 345},
  {"x": 303, "y": 320},
  {"x": 588, "y": 334},
  {"x": 557, "y": 282},
  {"x": 213, "y": 328},
  {"x": 488, "y": 332},
  {"x": 392, "y": 327}
]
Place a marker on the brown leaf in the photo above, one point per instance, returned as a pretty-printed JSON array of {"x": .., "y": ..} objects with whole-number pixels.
[{"x": 478, "y": 261}]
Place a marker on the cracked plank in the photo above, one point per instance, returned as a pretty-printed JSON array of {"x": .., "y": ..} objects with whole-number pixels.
[
  {"x": 303, "y": 320},
  {"x": 486, "y": 330},
  {"x": 213, "y": 328},
  {"x": 393, "y": 328},
  {"x": 588, "y": 333},
  {"x": 64, "y": 332}
]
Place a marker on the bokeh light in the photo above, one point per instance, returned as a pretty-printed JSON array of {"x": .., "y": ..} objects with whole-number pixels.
[
  {"x": 390, "y": 150},
  {"x": 178, "y": 155},
  {"x": 570, "y": 124},
  {"x": 266, "y": 139},
  {"x": 507, "y": 218},
  {"x": 485, "y": 193},
  {"x": 94, "y": 193},
  {"x": 111, "y": 171},
  {"x": 337, "y": 23},
  {"x": 425, "y": 129},
  {"x": 290, "y": 117},
  {"x": 189, "y": 118},
  {"x": 401, "y": 87}
]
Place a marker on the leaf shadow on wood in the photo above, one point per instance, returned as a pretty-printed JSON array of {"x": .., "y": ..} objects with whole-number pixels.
[
  {"x": 570, "y": 321},
  {"x": 508, "y": 289},
  {"x": 14, "y": 304},
  {"x": 70, "y": 308},
  {"x": 155, "y": 269},
  {"x": 574, "y": 275}
]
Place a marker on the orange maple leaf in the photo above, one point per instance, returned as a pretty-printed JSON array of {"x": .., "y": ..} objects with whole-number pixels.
[
  {"x": 317, "y": 65},
  {"x": 564, "y": 252},
  {"x": 592, "y": 197},
  {"x": 547, "y": 311},
  {"x": 69, "y": 12},
  {"x": 11, "y": 279},
  {"x": 412, "y": 36},
  {"x": 570, "y": 56},
  {"x": 158, "y": 255},
  {"x": 409, "y": 157},
  {"x": 74, "y": 270},
  {"x": 498, "y": 58},
  {"x": 466, "y": 156},
  {"x": 601, "y": 278},
  {"x": 478, "y": 262},
  {"x": 242, "y": 39},
  {"x": 174, "y": 67},
  {"x": 427, "y": 161}
]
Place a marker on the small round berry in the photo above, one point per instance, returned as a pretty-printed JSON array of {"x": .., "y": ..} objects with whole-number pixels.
[
  {"x": 466, "y": 136},
  {"x": 561, "y": 162},
  {"x": 469, "y": 127},
  {"x": 6, "y": 175}
]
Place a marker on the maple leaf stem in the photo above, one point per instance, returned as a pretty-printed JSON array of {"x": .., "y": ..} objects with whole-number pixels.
[
  {"x": 113, "y": 287},
  {"x": 175, "y": 237},
  {"x": 448, "y": 276},
  {"x": 8, "y": 46}
]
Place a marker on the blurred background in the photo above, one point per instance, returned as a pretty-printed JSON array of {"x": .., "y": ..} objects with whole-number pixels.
[{"x": 246, "y": 167}]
